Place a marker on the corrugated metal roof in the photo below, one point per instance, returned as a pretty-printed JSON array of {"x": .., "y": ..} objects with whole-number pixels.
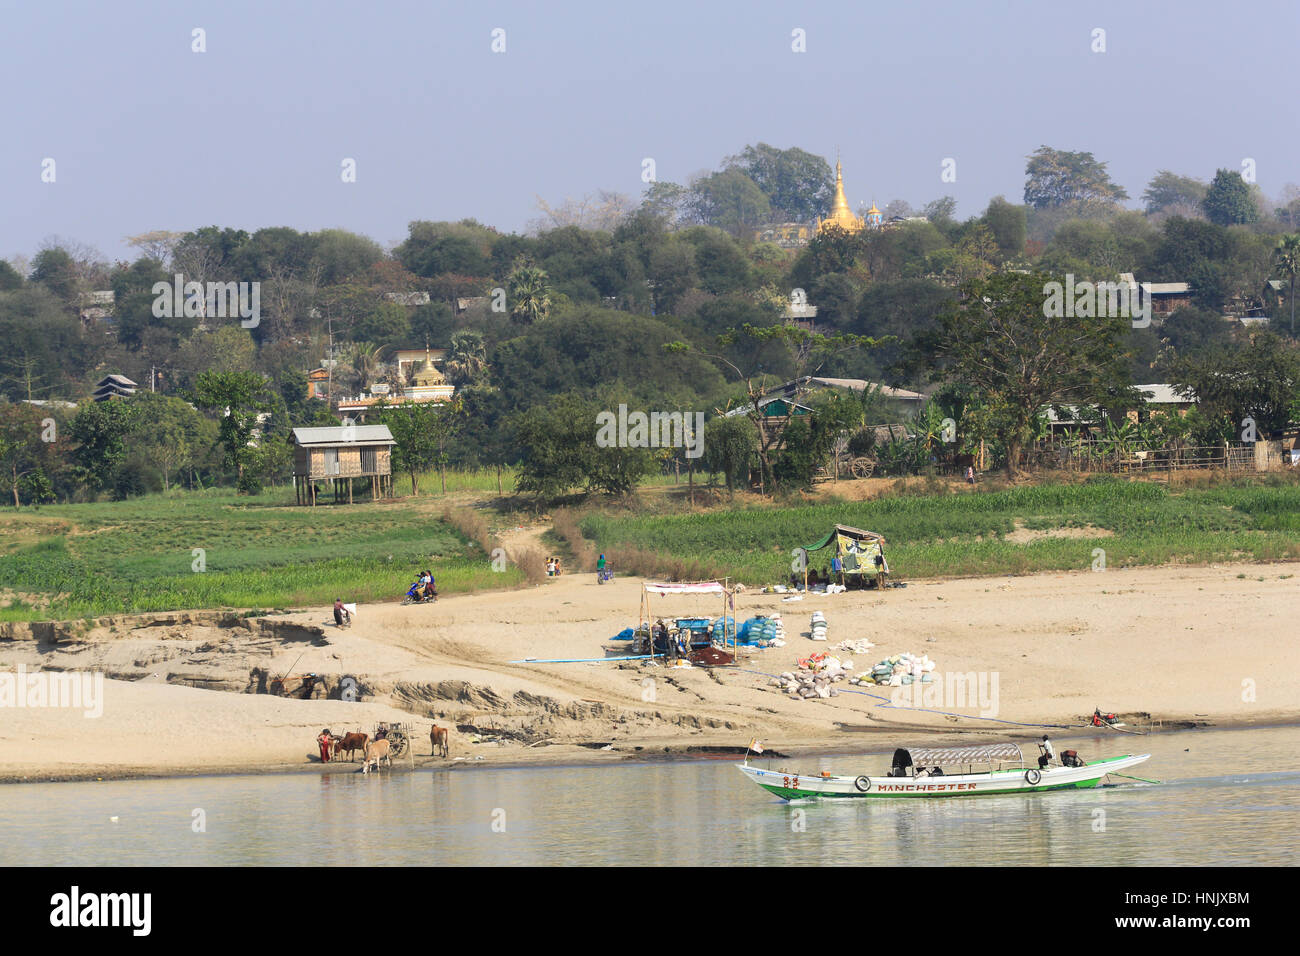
[
  {"x": 343, "y": 435},
  {"x": 957, "y": 756},
  {"x": 1161, "y": 394},
  {"x": 858, "y": 384}
]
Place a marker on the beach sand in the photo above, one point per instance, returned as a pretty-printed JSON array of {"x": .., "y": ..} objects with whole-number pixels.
[{"x": 1164, "y": 647}]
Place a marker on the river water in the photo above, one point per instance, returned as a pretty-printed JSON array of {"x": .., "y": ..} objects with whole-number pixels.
[{"x": 1226, "y": 797}]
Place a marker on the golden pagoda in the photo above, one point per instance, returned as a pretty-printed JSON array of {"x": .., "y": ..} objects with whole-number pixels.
[
  {"x": 428, "y": 379},
  {"x": 841, "y": 216}
]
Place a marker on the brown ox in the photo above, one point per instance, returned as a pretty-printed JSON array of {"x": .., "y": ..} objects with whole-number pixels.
[
  {"x": 353, "y": 742},
  {"x": 438, "y": 739},
  {"x": 376, "y": 751}
]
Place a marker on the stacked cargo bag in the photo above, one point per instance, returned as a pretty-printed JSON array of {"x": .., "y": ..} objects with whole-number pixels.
[{"x": 818, "y": 626}]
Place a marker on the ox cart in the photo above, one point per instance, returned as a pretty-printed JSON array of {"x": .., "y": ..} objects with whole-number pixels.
[
  {"x": 397, "y": 735},
  {"x": 843, "y": 464}
]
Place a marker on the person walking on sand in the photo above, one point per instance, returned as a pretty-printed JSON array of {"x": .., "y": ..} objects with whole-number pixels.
[
  {"x": 341, "y": 616},
  {"x": 326, "y": 741},
  {"x": 600, "y": 567}
]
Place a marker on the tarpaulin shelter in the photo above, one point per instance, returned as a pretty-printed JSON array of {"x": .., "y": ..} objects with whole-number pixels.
[
  {"x": 861, "y": 553},
  {"x": 720, "y": 588}
]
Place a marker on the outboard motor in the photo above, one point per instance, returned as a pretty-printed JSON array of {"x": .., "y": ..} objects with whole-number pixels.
[
  {"x": 902, "y": 761},
  {"x": 1071, "y": 758}
]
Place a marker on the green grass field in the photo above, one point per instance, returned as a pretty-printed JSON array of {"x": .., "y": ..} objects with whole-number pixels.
[
  {"x": 963, "y": 534},
  {"x": 68, "y": 561}
]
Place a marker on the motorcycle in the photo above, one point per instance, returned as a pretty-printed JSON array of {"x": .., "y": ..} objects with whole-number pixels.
[{"x": 412, "y": 598}]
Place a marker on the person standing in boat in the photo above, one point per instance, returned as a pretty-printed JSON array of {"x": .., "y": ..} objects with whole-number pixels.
[{"x": 1045, "y": 753}]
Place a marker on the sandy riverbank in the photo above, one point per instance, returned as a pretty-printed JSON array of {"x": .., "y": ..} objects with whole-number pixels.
[{"x": 1185, "y": 646}]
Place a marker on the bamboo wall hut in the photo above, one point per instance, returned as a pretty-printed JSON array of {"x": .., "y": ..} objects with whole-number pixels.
[{"x": 340, "y": 454}]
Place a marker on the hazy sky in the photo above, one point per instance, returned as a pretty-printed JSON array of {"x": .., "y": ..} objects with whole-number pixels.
[{"x": 147, "y": 134}]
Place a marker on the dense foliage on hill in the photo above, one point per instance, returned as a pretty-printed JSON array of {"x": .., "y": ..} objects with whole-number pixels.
[{"x": 594, "y": 298}]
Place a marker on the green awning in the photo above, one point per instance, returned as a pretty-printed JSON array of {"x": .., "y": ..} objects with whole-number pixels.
[{"x": 822, "y": 543}]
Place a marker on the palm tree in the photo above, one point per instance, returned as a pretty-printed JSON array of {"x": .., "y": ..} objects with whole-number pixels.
[
  {"x": 467, "y": 360},
  {"x": 365, "y": 361},
  {"x": 1287, "y": 258},
  {"x": 529, "y": 291}
]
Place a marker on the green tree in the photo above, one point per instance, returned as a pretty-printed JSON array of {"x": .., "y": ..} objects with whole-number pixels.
[
  {"x": 438, "y": 248},
  {"x": 808, "y": 441},
  {"x": 999, "y": 339},
  {"x": 1259, "y": 380},
  {"x": 528, "y": 293},
  {"x": 1286, "y": 258},
  {"x": 237, "y": 398},
  {"x": 808, "y": 352},
  {"x": 940, "y": 211},
  {"x": 590, "y": 347},
  {"x": 445, "y": 424},
  {"x": 1008, "y": 224},
  {"x": 729, "y": 200},
  {"x": 836, "y": 299},
  {"x": 904, "y": 311},
  {"x": 467, "y": 358},
  {"x": 169, "y": 434},
  {"x": 718, "y": 261},
  {"x": 666, "y": 201},
  {"x": 102, "y": 431},
  {"x": 228, "y": 348},
  {"x": 342, "y": 256},
  {"x": 10, "y": 278},
  {"x": 43, "y": 351},
  {"x": 1229, "y": 200},
  {"x": 1190, "y": 330},
  {"x": 27, "y": 458},
  {"x": 1055, "y": 177},
  {"x": 133, "y": 305},
  {"x": 1169, "y": 192},
  {"x": 798, "y": 185},
  {"x": 561, "y": 451},
  {"x": 414, "y": 427},
  {"x": 730, "y": 447},
  {"x": 387, "y": 322},
  {"x": 55, "y": 269}
]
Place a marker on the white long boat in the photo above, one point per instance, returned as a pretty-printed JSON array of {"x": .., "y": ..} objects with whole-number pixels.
[{"x": 943, "y": 772}]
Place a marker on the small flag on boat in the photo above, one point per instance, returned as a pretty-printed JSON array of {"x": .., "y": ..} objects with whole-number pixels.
[{"x": 756, "y": 746}]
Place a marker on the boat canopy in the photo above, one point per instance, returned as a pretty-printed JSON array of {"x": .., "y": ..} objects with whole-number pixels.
[{"x": 955, "y": 756}]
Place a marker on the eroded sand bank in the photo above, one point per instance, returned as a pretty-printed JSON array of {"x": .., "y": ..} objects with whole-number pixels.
[{"x": 1213, "y": 645}]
